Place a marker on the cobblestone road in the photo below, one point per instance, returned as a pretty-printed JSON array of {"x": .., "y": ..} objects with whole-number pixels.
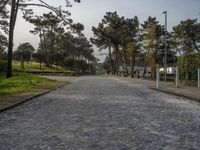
[{"x": 97, "y": 113}]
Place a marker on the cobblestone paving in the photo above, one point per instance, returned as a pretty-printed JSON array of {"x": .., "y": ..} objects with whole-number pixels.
[{"x": 97, "y": 113}]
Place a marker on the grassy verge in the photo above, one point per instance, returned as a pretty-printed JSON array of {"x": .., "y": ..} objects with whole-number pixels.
[
  {"x": 21, "y": 83},
  {"x": 35, "y": 68}
]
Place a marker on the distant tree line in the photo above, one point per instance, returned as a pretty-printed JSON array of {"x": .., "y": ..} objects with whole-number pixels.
[
  {"x": 61, "y": 41},
  {"x": 130, "y": 43},
  {"x": 58, "y": 46}
]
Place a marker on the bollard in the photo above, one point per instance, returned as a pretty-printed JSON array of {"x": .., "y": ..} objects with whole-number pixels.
[
  {"x": 198, "y": 77},
  {"x": 177, "y": 78},
  {"x": 157, "y": 77}
]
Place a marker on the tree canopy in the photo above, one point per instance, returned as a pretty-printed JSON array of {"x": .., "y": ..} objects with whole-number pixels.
[
  {"x": 3, "y": 26},
  {"x": 23, "y": 5},
  {"x": 186, "y": 36},
  {"x": 130, "y": 43}
]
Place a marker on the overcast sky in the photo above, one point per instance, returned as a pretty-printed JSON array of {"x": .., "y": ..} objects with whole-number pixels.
[{"x": 90, "y": 13}]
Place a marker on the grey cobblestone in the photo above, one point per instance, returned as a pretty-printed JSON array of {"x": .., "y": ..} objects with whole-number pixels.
[{"x": 95, "y": 113}]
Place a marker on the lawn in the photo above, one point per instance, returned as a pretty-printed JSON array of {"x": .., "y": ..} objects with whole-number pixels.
[
  {"x": 35, "y": 68},
  {"x": 20, "y": 83}
]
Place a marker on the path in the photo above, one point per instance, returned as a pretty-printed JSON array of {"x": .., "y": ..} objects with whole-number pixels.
[{"x": 99, "y": 113}]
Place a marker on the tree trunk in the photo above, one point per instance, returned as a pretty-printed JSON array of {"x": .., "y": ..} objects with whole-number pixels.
[
  {"x": 22, "y": 64},
  {"x": 22, "y": 60},
  {"x": 40, "y": 65},
  {"x": 111, "y": 63},
  {"x": 52, "y": 46},
  {"x": 117, "y": 59},
  {"x": 153, "y": 71},
  {"x": 13, "y": 17},
  {"x": 187, "y": 76},
  {"x": 44, "y": 48},
  {"x": 10, "y": 42},
  {"x": 125, "y": 62},
  {"x": 195, "y": 45},
  {"x": 132, "y": 65},
  {"x": 145, "y": 69}
]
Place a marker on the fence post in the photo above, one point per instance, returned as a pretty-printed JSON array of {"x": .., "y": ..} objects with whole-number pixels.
[
  {"x": 177, "y": 78},
  {"x": 198, "y": 77},
  {"x": 157, "y": 77}
]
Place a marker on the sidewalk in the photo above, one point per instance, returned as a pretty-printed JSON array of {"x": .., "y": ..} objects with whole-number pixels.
[{"x": 189, "y": 92}]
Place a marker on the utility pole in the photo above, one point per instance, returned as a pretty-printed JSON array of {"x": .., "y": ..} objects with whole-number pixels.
[{"x": 165, "y": 12}]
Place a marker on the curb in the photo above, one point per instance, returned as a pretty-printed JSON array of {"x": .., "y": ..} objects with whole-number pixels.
[
  {"x": 176, "y": 94},
  {"x": 30, "y": 98}
]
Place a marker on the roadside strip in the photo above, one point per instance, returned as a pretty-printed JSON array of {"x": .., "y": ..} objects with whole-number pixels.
[
  {"x": 33, "y": 94},
  {"x": 190, "y": 93},
  {"x": 195, "y": 99}
]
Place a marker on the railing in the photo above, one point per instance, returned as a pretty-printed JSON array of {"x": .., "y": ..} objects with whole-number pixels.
[{"x": 177, "y": 77}]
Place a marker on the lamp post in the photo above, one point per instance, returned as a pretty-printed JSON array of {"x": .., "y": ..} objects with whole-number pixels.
[{"x": 165, "y": 62}]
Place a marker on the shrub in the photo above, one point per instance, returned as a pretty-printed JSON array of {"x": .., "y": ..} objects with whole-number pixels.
[{"x": 188, "y": 66}]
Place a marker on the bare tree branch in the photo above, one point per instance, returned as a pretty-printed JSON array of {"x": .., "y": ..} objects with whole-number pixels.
[
  {"x": 48, "y": 7},
  {"x": 3, "y": 6}
]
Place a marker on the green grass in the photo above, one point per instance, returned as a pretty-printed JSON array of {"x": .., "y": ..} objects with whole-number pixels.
[
  {"x": 20, "y": 83},
  {"x": 35, "y": 68}
]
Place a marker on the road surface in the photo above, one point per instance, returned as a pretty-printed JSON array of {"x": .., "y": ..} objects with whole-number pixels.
[{"x": 101, "y": 113}]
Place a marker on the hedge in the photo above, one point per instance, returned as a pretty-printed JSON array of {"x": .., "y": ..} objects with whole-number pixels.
[{"x": 189, "y": 65}]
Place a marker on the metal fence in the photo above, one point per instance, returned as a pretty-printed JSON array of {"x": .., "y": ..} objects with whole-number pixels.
[{"x": 179, "y": 78}]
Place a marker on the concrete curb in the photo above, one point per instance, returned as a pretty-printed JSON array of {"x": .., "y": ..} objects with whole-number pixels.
[
  {"x": 177, "y": 94},
  {"x": 30, "y": 98}
]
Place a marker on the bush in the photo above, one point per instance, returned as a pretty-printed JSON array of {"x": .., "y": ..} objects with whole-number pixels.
[
  {"x": 188, "y": 66},
  {"x": 3, "y": 66}
]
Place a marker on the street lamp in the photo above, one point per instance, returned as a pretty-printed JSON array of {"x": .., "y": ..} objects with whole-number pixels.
[{"x": 165, "y": 12}]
